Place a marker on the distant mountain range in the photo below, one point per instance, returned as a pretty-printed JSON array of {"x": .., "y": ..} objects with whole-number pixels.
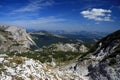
[
  {"x": 45, "y": 38},
  {"x": 87, "y": 36}
]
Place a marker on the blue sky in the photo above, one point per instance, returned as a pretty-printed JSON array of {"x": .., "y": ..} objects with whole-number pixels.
[{"x": 71, "y": 15}]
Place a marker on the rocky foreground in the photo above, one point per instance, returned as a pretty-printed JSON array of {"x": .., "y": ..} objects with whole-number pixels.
[{"x": 21, "y": 68}]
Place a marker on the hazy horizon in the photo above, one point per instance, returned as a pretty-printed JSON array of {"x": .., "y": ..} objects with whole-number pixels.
[{"x": 67, "y": 15}]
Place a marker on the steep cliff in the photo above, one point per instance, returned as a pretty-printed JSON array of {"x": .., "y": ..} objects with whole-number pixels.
[{"x": 14, "y": 39}]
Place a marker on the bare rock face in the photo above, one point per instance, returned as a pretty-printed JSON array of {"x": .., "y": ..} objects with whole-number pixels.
[{"x": 14, "y": 39}]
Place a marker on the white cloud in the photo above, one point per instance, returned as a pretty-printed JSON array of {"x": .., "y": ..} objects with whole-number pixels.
[
  {"x": 35, "y": 5},
  {"x": 97, "y": 14}
]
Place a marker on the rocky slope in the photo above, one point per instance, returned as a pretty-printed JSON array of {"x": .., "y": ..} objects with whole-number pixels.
[
  {"x": 107, "y": 59},
  {"x": 104, "y": 62},
  {"x": 14, "y": 39}
]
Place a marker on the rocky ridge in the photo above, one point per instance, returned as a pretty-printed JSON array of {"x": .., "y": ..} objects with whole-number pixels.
[{"x": 71, "y": 47}]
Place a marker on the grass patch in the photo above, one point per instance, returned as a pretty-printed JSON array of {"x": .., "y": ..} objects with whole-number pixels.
[
  {"x": 2, "y": 69},
  {"x": 17, "y": 60}
]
